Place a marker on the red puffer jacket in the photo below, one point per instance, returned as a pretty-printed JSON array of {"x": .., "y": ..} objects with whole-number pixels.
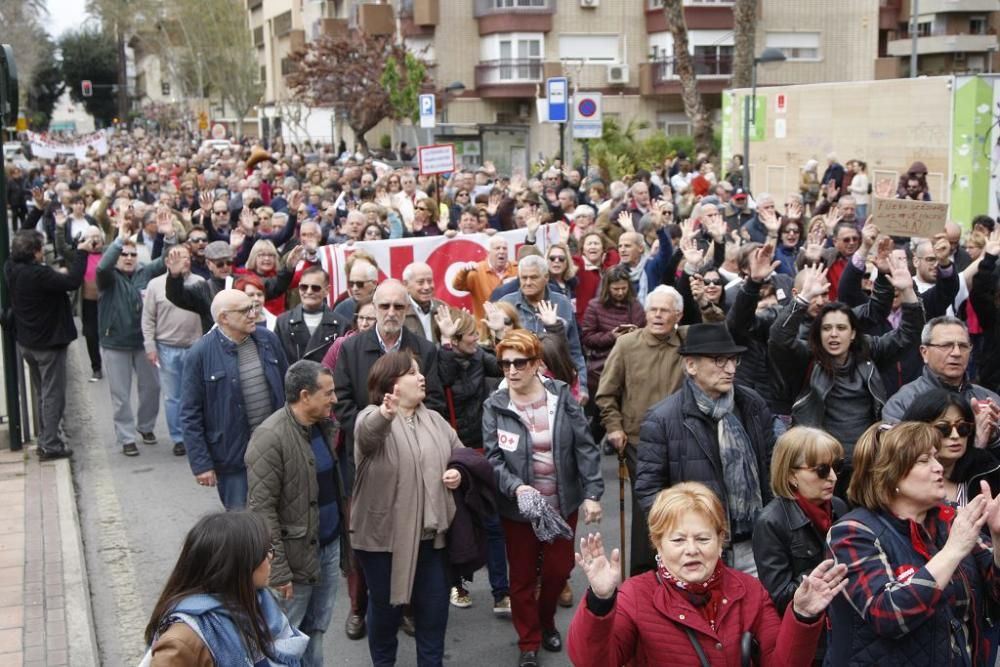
[{"x": 645, "y": 628}]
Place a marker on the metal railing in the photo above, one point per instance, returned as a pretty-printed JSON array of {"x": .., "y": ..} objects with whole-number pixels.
[
  {"x": 704, "y": 66},
  {"x": 509, "y": 71}
]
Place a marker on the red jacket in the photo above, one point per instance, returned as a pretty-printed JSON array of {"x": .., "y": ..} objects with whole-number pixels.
[
  {"x": 588, "y": 283},
  {"x": 644, "y": 628}
]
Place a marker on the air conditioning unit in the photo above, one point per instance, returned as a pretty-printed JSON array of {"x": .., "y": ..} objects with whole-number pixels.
[
  {"x": 618, "y": 74},
  {"x": 589, "y": 4}
]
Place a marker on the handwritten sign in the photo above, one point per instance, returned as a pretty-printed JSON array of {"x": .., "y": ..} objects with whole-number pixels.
[
  {"x": 908, "y": 217},
  {"x": 436, "y": 159}
]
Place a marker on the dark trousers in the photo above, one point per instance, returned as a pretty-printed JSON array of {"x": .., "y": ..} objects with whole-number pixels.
[
  {"x": 88, "y": 315},
  {"x": 641, "y": 557},
  {"x": 357, "y": 588},
  {"x": 429, "y": 601},
  {"x": 47, "y": 368},
  {"x": 531, "y": 616}
]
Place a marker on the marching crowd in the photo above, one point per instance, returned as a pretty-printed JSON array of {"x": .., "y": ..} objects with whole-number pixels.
[{"x": 806, "y": 407}]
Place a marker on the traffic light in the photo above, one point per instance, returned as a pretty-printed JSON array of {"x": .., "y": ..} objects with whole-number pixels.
[{"x": 86, "y": 88}]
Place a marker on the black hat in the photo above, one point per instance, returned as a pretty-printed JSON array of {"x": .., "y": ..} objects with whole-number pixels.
[{"x": 709, "y": 340}]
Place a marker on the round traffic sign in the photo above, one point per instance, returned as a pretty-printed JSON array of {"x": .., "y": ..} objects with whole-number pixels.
[{"x": 587, "y": 107}]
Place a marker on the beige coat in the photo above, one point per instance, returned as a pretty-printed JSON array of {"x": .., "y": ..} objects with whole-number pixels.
[
  {"x": 398, "y": 492},
  {"x": 640, "y": 372},
  {"x": 180, "y": 646}
]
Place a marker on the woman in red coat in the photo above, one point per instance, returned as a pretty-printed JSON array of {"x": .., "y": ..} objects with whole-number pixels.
[
  {"x": 596, "y": 255},
  {"x": 692, "y": 608}
]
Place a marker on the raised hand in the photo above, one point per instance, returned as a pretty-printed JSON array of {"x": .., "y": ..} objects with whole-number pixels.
[
  {"x": 186, "y": 215},
  {"x": 603, "y": 573},
  {"x": 493, "y": 205},
  {"x": 814, "y": 283},
  {"x": 547, "y": 313},
  {"x": 794, "y": 210},
  {"x": 295, "y": 200},
  {"x": 625, "y": 221},
  {"x": 942, "y": 250},
  {"x": 869, "y": 235},
  {"x": 237, "y": 237},
  {"x": 205, "y": 202},
  {"x": 495, "y": 318},
  {"x": 165, "y": 221},
  {"x": 292, "y": 259},
  {"x": 884, "y": 189},
  {"x": 532, "y": 223},
  {"x": 446, "y": 323},
  {"x": 761, "y": 265},
  {"x": 693, "y": 255},
  {"x": 390, "y": 404},
  {"x": 817, "y": 233},
  {"x": 969, "y": 520},
  {"x": 986, "y": 413},
  {"x": 899, "y": 273},
  {"x": 882, "y": 253},
  {"x": 770, "y": 220},
  {"x": 716, "y": 227},
  {"x": 993, "y": 242},
  {"x": 246, "y": 221},
  {"x": 832, "y": 218},
  {"x": 819, "y": 588}
]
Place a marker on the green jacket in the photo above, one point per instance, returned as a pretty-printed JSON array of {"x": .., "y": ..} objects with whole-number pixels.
[{"x": 119, "y": 299}]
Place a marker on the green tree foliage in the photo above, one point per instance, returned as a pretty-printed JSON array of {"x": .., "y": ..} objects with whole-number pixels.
[
  {"x": 45, "y": 88},
  {"x": 403, "y": 84},
  {"x": 621, "y": 151},
  {"x": 88, "y": 53}
]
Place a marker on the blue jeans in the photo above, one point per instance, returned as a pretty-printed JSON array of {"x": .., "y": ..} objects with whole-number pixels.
[
  {"x": 232, "y": 489},
  {"x": 429, "y": 602},
  {"x": 311, "y": 606},
  {"x": 496, "y": 558},
  {"x": 171, "y": 366}
]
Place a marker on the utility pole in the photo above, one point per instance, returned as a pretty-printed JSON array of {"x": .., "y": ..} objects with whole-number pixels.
[
  {"x": 8, "y": 115},
  {"x": 914, "y": 34}
]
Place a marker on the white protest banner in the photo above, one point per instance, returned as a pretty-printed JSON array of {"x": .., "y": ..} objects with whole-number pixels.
[
  {"x": 444, "y": 255},
  {"x": 436, "y": 159},
  {"x": 908, "y": 217},
  {"x": 46, "y": 148}
]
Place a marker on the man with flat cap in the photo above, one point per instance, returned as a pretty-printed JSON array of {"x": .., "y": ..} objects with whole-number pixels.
[{"x": 714, "y": 432}]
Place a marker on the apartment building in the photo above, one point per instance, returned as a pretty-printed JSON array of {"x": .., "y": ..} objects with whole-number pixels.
[
  {"x": 953, "y": 37},
  {"x": 501, "y": 52}
]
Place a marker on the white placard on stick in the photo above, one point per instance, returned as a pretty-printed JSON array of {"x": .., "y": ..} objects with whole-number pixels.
[
  {"x": 436, "y": 159},
  {"x": 908, "y": 217}
]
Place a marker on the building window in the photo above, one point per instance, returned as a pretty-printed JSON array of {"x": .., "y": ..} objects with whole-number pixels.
[
  {"x": 978, "y": 25},
  {"x": 658, "y": 4},
  {"x": 511, "y": 4},
  {"x": 714, "y": 60},
  {"x": 796, "y": 45},
  {"x": 520, "y": 59},
  {"x": 673, "y": 124},
  {"x": 925, "y": 28},
  {"x": 165, "y": 88},
  {"x": 589, "y": 48}
]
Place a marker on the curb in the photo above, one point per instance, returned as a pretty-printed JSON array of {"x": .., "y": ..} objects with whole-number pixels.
[{"x": 80, "y": 631}]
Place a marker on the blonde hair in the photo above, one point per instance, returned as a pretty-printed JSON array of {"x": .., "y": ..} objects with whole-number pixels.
[
  {"x": 671, "y": 504},
  {"x": 570, "y": 271},
  {"x": 258, "y": 247},
  {"x": 800, "y": 447},
  {"x": 885, "y": 455},
  {"x": 465, "y": 322}
]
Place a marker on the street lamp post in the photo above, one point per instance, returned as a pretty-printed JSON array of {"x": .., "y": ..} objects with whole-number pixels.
[{"x": 769, "y": 55}]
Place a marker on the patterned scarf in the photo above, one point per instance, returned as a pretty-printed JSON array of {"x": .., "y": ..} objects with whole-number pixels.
[
  {"x": 705, "y": 596},
  {"x": 739, "y": 467}
]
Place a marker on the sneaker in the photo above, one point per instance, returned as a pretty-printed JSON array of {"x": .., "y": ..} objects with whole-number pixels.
[
  {"x": 528, "y": 659},
  {"x": 129, "y": 449},
  {"x": 148, "y": 438},
  {"x": 502, "y": 606},
  {"x": 63, "y": 453},
  {"x": 179, "y": 449},
  {"x": 96, "y": 376},
  {"x": 460, "y": 597}
]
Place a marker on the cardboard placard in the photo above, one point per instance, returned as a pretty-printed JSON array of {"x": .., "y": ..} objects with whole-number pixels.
[{"x": 908, "y": 217}]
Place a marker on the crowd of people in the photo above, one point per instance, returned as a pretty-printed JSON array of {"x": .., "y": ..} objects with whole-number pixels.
[{"x": 806, "y": 407}]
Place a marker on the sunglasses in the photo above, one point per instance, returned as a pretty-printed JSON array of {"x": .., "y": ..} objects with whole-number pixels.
[
  {"x": 398, "y": 307},
  {"x": 220, "y": 212},
  {"x": 823, "y": 469},
  {"x": 518, "y": 364},
  {"x": 194, "y": 240},
  {"x": 129, "y": 254},
  {"x": 557, "y": 258},
  {"x": 945, "y": 428},
  {"x": 222, "y": 262},
  {"x": 358, "y": 284},
  {"x": 712, "y": 281},
  {"x": 303, "y": 287}
]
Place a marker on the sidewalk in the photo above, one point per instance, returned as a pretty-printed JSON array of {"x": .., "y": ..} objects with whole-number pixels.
[{"x": 45, "y": 616}]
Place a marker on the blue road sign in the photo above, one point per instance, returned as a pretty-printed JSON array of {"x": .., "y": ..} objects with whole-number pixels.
[
  {"x": 557, "y": 92},
  {"x": 428, "y": 112}
]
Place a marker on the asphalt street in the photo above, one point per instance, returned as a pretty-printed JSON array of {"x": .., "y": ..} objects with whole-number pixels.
[{"x": 136, "y": 511}]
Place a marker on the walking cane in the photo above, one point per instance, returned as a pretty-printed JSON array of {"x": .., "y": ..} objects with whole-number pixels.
[{"x": 622, "y": 474}]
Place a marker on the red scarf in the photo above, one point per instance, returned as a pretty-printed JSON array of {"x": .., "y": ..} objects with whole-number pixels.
[
  {"x": 821, "y": 516},
  {"x": 706, "y": 597},
  {"x": 944, "y": 512}
]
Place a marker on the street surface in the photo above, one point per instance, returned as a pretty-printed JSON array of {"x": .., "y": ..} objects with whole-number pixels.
[{"x": 136, "y": 511}]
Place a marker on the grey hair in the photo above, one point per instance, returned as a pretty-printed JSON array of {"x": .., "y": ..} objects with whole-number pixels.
[
  {"x": 408, "y": 271},
  {"x": 303, "y": 375},
  {"x": 570, "y": 192},
  {"x": 617, "y": 189},
  {"x": 665, "y": 290},
  {"x": 943, "y": 320},
  {"x": 583, "y": 209},
  {"x": 290, "y": 183},
  {"x": 764, "y": 196},
  {"x": 536, "y": 261}
]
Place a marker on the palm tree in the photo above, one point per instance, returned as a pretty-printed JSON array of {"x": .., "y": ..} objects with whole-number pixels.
[{"x": 694, "y": 105}]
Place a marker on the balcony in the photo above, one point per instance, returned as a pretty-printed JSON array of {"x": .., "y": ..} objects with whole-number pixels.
[
  {"x": 712, "y": 72},
  {"x": 697, "y": 16},
  {"x": 946, "y": 6},
  {"x": 254, "y": 4},
  {"x": 514, "y": 15},
  {"x": 514, "y": 77},
  {"x": 900, "y": 48}
]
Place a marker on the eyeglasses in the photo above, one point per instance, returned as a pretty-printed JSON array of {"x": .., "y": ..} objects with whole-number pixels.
[
  {"x": 720, "y": 362},
  {"x": 365, "y": 318},
  {"x": 823, "y": 469},
  {"x": 710, "y": 282},
  {"x": 851, "y": 239},
  {"x": 358, "y": 284},
  {"x": 557, "y": 258},
  {"x": 791, "y": 230},
  {"x": 963, "y": 428},
  {"x": 222, "y": 262},
  {"x": 198, "y": 240},
  {"x": 303, "y": 287},
  {"x": 219, "y": 212},
  {"x": 960, "y": 345},
  {"x": 398, "y": 307},
  {"x": 518, "y": 364},
  {"x": 249, "y": 311},
  {"x": 129, "y": 254}
]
